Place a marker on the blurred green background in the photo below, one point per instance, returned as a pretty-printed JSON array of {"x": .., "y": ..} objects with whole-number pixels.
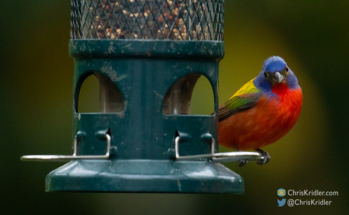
[{"x": 36, "y": 106}]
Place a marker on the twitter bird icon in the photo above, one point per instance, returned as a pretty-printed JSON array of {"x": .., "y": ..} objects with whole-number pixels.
[{"x": 281, "y": 202}]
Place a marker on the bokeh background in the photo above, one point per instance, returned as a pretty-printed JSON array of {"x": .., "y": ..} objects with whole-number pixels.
[{"x": 36, "y": 76}]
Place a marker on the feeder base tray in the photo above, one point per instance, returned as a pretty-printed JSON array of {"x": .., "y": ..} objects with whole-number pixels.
[{"x": 144, "y": 176}]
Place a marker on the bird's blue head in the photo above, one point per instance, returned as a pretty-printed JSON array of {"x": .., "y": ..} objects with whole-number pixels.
[{"x": 274, "y": 72}]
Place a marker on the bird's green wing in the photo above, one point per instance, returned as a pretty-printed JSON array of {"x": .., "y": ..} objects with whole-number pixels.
[{"x": 244, "y": 99}]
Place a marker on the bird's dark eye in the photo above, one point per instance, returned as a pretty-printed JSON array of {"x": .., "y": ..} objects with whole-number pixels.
[
  {"x": 286, "y": 69},
  {"x": 266, "y": 74}
]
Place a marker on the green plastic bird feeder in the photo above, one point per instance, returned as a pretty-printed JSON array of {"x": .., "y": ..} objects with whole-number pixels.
[{"x": 147, "y": 56}]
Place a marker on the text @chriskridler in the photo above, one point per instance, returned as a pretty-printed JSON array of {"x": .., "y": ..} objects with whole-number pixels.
[{"x": 297, "y": 202}]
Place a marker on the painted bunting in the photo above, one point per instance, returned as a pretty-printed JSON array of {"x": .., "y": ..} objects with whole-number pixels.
[{"x": 262, "y": 111}]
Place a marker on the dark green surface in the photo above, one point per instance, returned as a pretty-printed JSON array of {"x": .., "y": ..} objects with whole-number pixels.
[
  {"x": 213, "y": 50},
  {"x": 140, "y": 176},
  {"x": 144, "y": 71}
]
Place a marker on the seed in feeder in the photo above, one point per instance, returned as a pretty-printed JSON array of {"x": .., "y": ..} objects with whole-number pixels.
[
  {"x": 161, "y": 18},
  {"x": 155, "y": 14},
  {"x": 175, "y": 32},
  {"x": 112, "y": 36},
  {"x": 122, "y": 35},
  {"x": 166, "y": 29},
  {"x": 194, "y": 34},
  {"x": 136, "y": 36},
  {"x": 100, "y": 35},
  {"x": 180, "y": 21}
]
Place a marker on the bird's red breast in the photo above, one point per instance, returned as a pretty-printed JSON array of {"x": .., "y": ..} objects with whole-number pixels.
[{"x": 267, "y": 122}]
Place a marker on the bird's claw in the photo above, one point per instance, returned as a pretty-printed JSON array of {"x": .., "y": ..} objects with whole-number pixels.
[
  {"x": 242, "y": 162},
  {"x": 265, "y": 155}
]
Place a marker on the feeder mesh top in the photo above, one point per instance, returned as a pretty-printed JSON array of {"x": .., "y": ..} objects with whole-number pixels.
[{"x": 147, "y": 19}]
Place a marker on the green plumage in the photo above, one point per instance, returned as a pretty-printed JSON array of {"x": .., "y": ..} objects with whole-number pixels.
[{"x": 244, "y": 99}]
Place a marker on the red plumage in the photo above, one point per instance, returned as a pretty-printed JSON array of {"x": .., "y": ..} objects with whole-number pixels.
[{"x": 268, "y": 121}]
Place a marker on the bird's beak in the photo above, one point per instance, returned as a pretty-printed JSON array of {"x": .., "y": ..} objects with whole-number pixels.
[{"x": 278, "y": 77}]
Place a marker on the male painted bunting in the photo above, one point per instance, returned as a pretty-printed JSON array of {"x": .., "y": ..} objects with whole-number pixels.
[{"x": 262, "y": 111}]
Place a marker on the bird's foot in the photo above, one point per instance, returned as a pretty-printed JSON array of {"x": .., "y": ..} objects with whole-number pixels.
[
  {"x": 265, "y": 155},
  {"x": 242, "y": 162}
]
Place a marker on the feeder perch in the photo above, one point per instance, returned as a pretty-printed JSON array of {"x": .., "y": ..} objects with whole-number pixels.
[{"x": 147, "y": 56}]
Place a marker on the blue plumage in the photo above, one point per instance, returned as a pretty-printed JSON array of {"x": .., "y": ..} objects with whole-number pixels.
[
  {"x": 292, "y": 81},
  {"x": 272, "y": 65}
]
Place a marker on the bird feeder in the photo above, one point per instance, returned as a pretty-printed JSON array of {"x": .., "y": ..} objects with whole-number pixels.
[{"x": 147, "y": 56}]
